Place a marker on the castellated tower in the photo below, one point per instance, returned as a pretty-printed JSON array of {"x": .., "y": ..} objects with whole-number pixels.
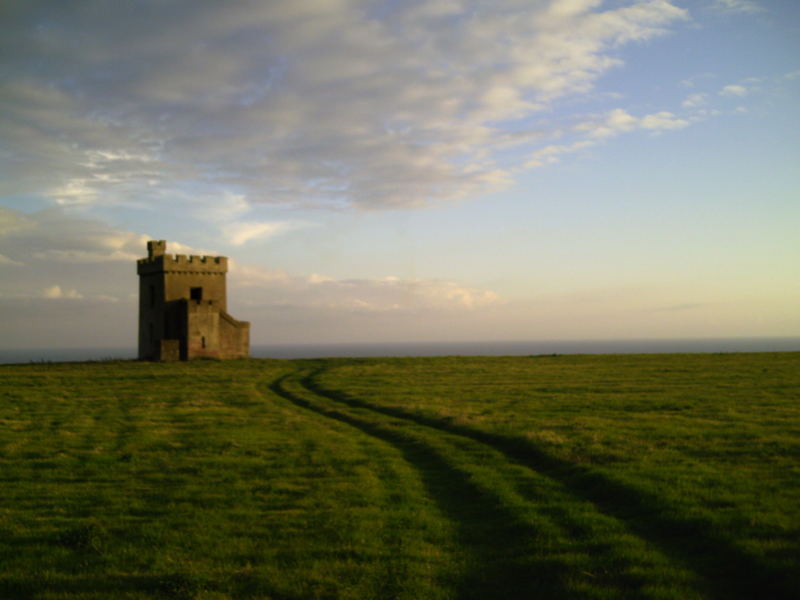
[{"x": 182, "y": 308}]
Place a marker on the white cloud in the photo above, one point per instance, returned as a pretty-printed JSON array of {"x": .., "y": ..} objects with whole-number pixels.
[
  {"x": 693, "y": 81},
  {"x": 84, "y": 256},
  {"x": 602, "y": 127},
  {"x": 705, "y": 113},
  {"x": 620, "y": 121},
  {"x": 700, "y": 105},
  {"x": 243, "y": 232},
  {"x": 550, "y": 154},
  {"x": 55, "y": 292},
  {"x": 370, "y": 295},
  {"x": 317, "y": 278},
  {"x": 216, "y": 206},
  {"x": 737, "y": 6},
  {"x": 12, "y": 220},
  {"x": 4, "y": 260},
  {"x": 733, "y": 90},
  {"x": 695, "y": 100},
  {"x": 323, "y": 103},
  {"x": 54, "y": 235},
  {"x": 661, "y": 121}
]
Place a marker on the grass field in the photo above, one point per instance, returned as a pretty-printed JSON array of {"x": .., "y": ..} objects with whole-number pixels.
[{"x": 651, "y": 476}]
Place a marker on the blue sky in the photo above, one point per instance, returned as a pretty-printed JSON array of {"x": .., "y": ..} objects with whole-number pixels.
[{"x": 405, "y": 171}]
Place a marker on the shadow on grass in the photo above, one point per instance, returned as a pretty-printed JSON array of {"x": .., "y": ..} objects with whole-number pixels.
[
  {"x": 84, "y": 576},
  {"x": 173, "y": 586},
  {"x": 501, "y": 564},
  {"x": 727, "y": 572}
]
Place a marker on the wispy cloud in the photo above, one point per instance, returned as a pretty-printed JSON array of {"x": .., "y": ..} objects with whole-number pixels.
[
  {"x": 737, "y": 6},
  {"x": 620, "y": 121},
  {"x": 4, "y": 260},
  {"x": 733, "y": 90},
  {"x": 242, "y": 232},
  {"x": 695, "y": 100},
  {"x": 55, "y": 292},
  {"x": 367, "y": 295},
  {"x": 552, "y": 154}
]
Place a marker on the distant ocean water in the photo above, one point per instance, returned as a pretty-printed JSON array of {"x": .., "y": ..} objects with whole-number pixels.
[{"x": 769, "y": 344}]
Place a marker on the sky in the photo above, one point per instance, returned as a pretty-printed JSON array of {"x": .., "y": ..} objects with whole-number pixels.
[{"x": 403, "y": 171}]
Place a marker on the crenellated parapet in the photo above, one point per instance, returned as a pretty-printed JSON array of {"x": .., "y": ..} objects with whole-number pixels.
[{"x": 181, "y": 263}]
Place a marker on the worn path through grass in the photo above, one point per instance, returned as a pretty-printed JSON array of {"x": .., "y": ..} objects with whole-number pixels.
[{"x": 528, "y": 535}]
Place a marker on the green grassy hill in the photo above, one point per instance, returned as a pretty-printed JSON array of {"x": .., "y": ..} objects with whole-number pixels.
[{"x": 652, "y": 476}]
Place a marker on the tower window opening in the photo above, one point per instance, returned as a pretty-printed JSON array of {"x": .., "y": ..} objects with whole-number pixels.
[
  {"x": 203, "y": 341},
  {"x": 196, "y": 293}
]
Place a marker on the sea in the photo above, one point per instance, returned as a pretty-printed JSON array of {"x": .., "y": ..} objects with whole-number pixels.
[{"x": 509, "y": 348}]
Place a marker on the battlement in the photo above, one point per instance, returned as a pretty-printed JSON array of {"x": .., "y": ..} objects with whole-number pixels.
[
  {"x": 158, "y": 261},
  {"x": 156, "y": 248}
]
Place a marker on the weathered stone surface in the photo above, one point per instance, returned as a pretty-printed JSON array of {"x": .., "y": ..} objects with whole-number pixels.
[{"x": 182, "y": 308}]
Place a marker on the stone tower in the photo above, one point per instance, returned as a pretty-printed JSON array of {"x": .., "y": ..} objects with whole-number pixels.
[{"x": 182, "y": 308}]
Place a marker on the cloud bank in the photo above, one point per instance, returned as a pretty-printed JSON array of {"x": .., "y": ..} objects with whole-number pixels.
[
  {"x": 75, "y": 277},
  {"x": 333, "y": 103},
  {"x": 72, "y": 278}
]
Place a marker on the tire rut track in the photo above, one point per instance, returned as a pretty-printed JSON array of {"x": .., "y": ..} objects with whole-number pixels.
[
  {"x": 724, "y": 571},
  {"x": 512, "y": 555},
  {"x": 399, "y": 529}
]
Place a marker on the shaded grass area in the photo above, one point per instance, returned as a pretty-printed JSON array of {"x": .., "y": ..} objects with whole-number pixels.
[{"x": 584, "y": 477}]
